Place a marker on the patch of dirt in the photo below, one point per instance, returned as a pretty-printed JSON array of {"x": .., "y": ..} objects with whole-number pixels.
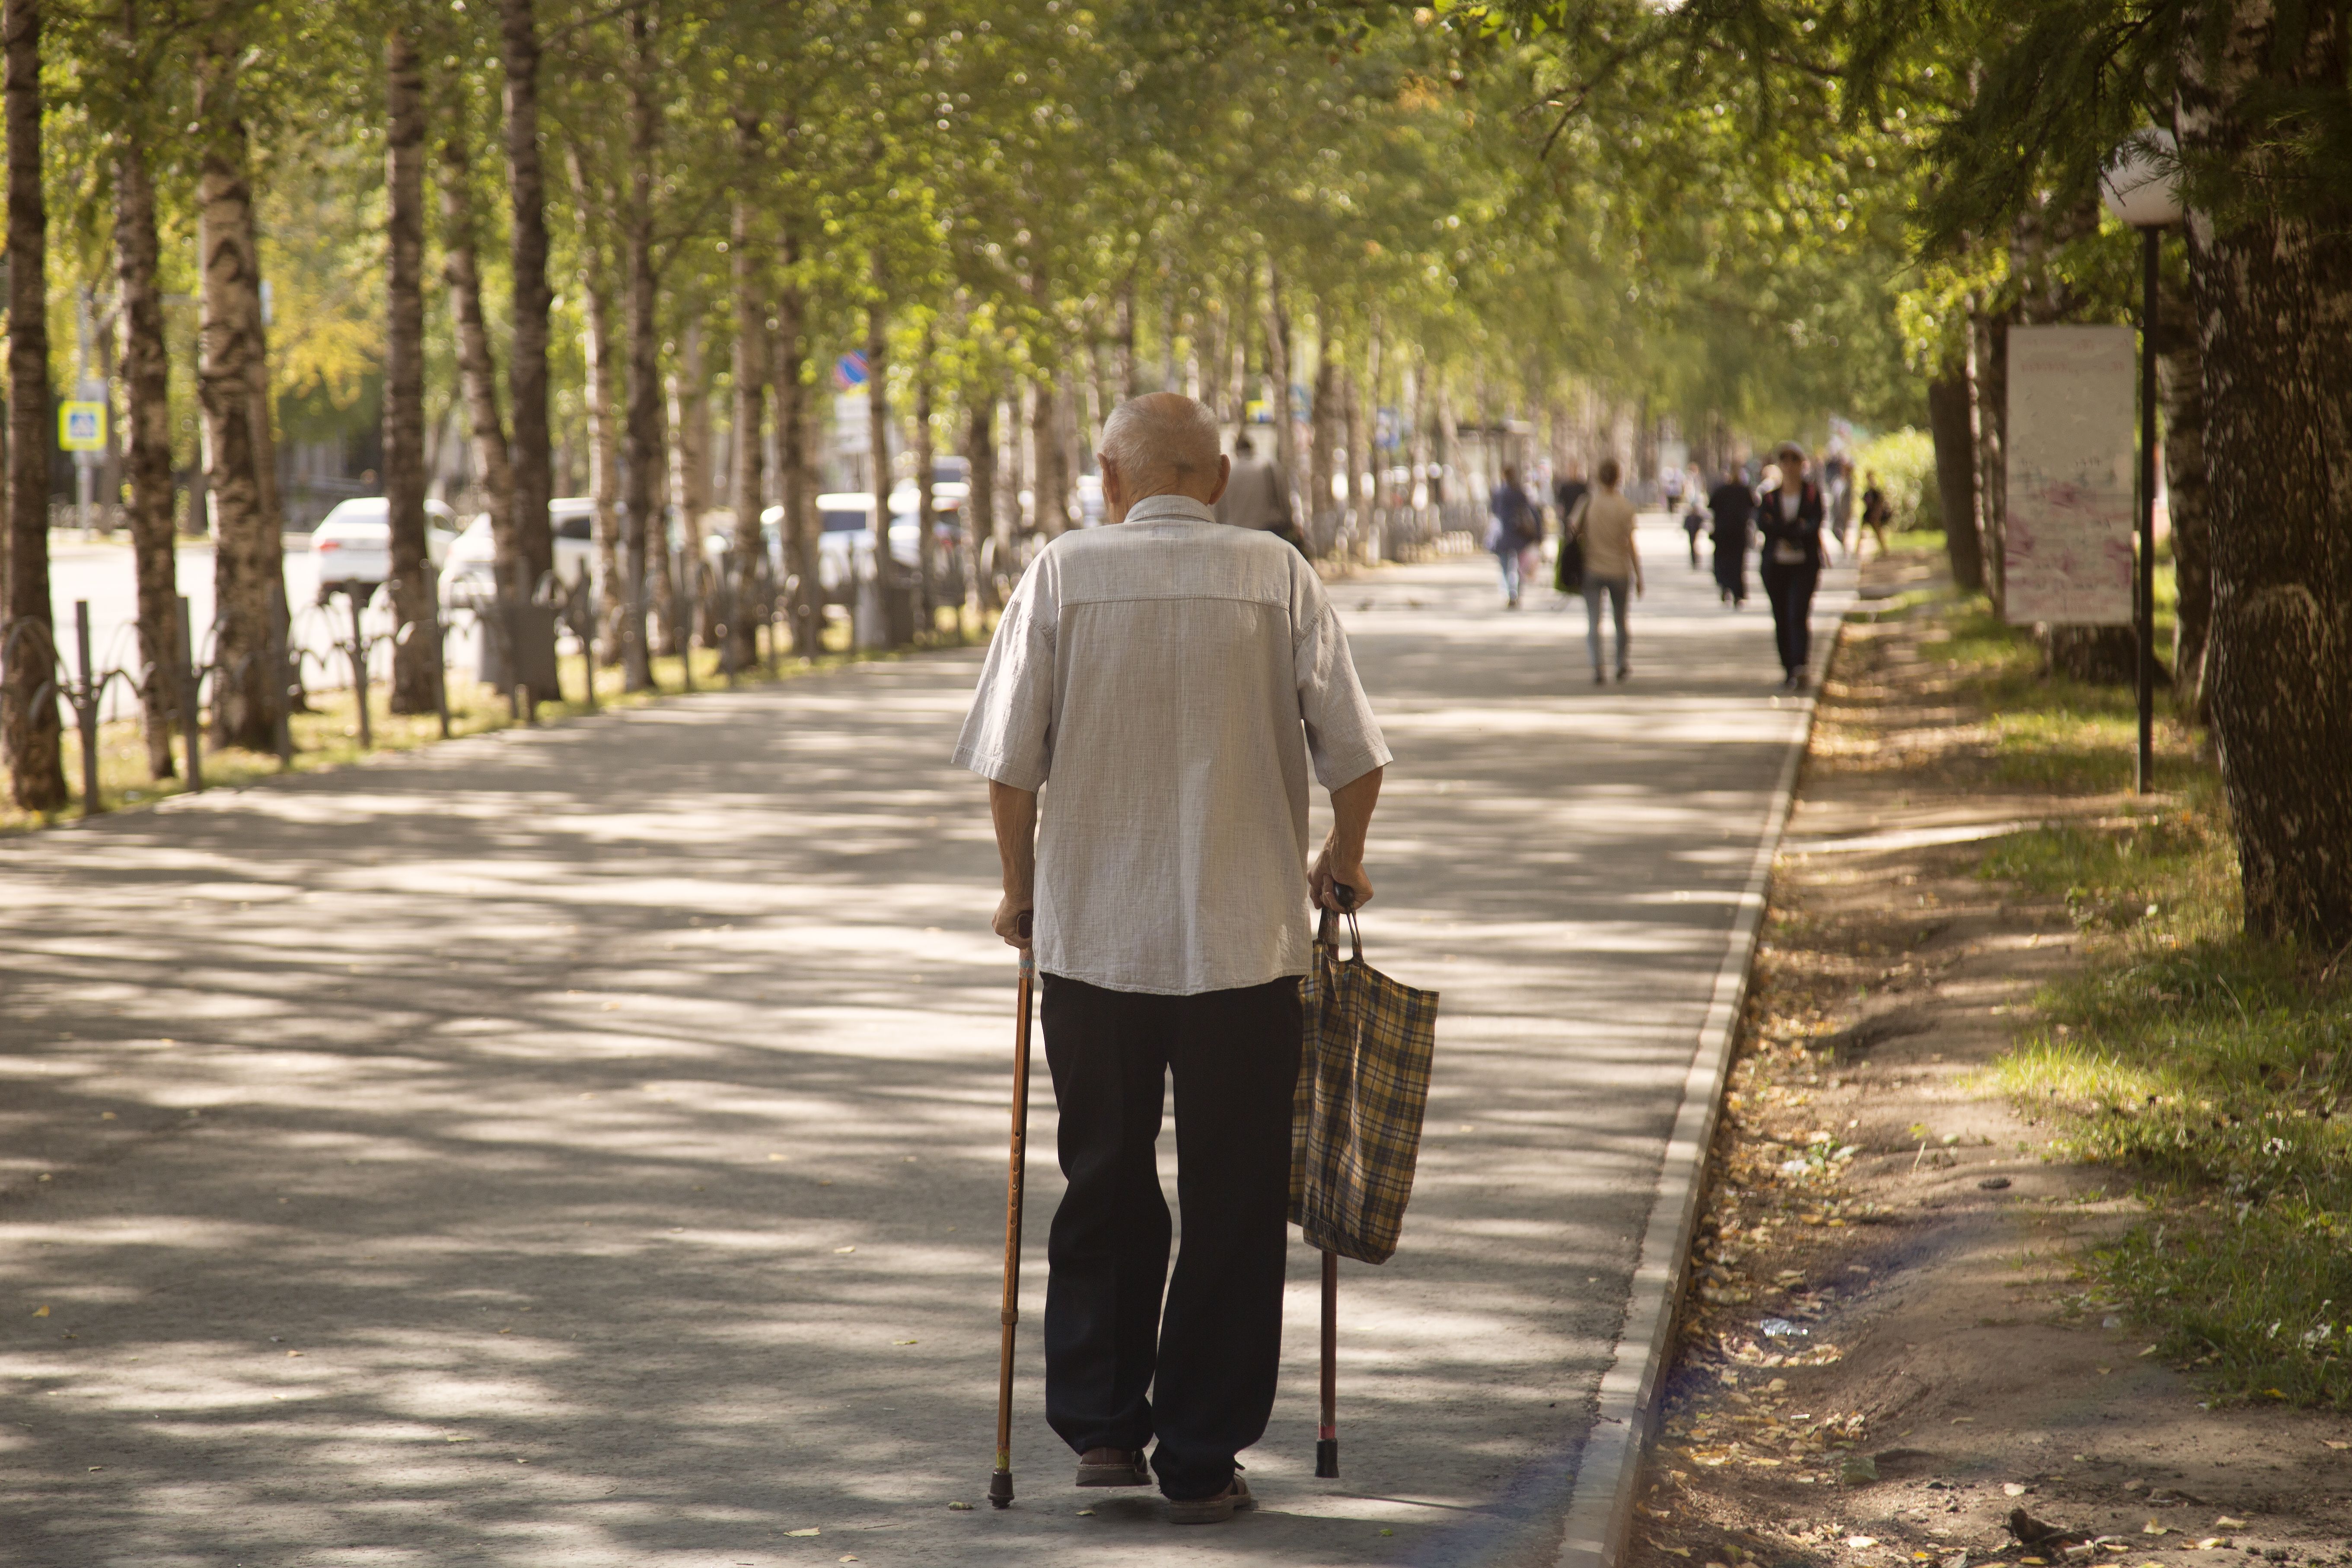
[{"x": 1888, "y": 1354}]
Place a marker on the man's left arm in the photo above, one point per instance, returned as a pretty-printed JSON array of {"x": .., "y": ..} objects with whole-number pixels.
[
  {"x": 1343, "y": 739},
  {"x": 1341, "y": 859}
]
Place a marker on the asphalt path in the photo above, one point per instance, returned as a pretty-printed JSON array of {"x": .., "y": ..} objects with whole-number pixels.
[{"x": 585, "y": 1145}]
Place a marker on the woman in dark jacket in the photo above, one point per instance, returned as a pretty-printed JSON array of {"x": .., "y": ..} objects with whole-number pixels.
[{"x": 1790, "y": 520}]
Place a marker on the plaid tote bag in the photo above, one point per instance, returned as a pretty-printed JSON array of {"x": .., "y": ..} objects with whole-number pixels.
[{"x": 1363, "y": 1083}]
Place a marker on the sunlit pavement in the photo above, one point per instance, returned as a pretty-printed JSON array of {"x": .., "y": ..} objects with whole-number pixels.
[{"x": 586, "y": 1145}]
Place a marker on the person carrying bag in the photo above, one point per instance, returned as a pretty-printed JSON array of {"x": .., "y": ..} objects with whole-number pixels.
[{"x": 1568, "y": 572}]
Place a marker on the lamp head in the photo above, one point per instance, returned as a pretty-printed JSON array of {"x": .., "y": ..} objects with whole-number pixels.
[{"x": 2141, "y": 184}]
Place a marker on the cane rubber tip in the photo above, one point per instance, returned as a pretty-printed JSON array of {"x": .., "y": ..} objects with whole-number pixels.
[
  {"x": 999, "y": 1488},
  {"x": 1327, "y": 1458}
]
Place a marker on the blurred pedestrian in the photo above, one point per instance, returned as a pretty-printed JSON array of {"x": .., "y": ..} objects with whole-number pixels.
[
  {"x": 1788, "y": 517},
  {"x": 1514, "y": 525},
  {"x": 1174, "y": 679},
  {"x": 1259, "y": 495},
  {"x": 1733, "y": 505},
  {"x": 1612, "y": 564},
  {"x": 1874, "y": 512},
  {"x": 1837, "y": 491}
]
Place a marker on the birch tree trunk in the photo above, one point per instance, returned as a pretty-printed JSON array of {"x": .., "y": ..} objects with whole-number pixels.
[
  {"x": 2273, "y": 293},
  {"x": 926, "y": 546},
  {"x": 2189, "y": 506},
  {"x": 248, "y": 698},
  {"x": 980, "y": 505},
  {"x": 416, "y": 653},
  {"x": 875, "y": 622},
  {"x": 806, "y": 608},
  {"x": 1277, "y": 371},
  {"x": 747, "y": 481},
  {"x": 1989, "y": 417},
  {"x": 531, "y": 454},
  {"x": 147, "y": 428},
  {"x": 689, "y": 405},
  {"x": 36, "y": 760},
  {"x": 644, "y": 537},
  {"x": 477, "y": 374},
  {"x": 1956, "y": 480},
  {"x": 597, "y": 395},
  {"x": 1323, "y": 425}
]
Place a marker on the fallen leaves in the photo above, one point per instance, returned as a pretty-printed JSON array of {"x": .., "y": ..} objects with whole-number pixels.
[
  {"x": 40, "y": 1311},
  {"x": 2226, "y": 1523},
  {"x": 812, "y": 1530}
]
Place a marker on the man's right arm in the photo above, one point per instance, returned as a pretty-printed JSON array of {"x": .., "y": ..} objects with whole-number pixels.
[{"x": 1014, "y": 812}]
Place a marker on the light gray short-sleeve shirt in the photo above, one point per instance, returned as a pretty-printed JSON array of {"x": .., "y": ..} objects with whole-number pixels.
[{"x": 1165, "y": 683}]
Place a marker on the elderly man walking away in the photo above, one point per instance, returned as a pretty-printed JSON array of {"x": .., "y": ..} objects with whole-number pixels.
[{"x": 1172, "y": 678}]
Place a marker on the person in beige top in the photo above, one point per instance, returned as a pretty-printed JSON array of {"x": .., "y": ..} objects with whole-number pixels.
[{"x": 1612, "y": 564}]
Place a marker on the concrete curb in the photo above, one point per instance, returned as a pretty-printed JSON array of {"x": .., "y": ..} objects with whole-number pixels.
[{"x": 1599, "y": 1515}]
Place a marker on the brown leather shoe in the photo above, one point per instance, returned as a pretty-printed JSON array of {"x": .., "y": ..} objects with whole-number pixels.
[
  {"x": 1214, "y": 1509},
  {"x": 1113, "y": 1467}
]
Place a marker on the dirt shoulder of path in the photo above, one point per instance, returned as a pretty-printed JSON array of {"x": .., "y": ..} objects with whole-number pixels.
[{"x": 1888, "y": 1348}]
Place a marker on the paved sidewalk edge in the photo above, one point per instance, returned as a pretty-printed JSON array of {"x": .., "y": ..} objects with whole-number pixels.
[{"x": 1599, "y": 1515}]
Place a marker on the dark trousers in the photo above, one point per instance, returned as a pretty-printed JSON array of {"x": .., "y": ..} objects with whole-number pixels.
[
  {"x": 1790, "y": 589},
  {"x": 1731, "y": 564},
  {"x": 1216, "y": 1346}
]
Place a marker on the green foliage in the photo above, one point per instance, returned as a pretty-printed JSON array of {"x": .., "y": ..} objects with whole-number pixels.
[{"x": 1904, "y": 462}]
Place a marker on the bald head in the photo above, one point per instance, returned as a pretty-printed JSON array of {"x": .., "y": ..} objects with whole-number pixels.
[{"x": 1161, "y": 444}]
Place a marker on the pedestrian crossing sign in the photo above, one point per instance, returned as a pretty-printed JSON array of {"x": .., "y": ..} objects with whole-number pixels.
[{"x": 81, "y": 426}]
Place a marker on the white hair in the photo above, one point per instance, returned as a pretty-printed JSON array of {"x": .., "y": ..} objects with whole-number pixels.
[{"x": 1160, "y": 437}]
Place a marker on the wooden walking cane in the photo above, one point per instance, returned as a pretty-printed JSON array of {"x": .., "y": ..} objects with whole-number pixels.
[
  {"x": 1327, "y": 1431},
  {"x": 1000, "y": 1482},
  {"x": 1326, "y": 1434}
]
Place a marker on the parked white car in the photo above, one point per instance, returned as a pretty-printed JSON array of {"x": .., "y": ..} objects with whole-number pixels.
[
  {"x": 844, "y": 541},
  {"x": 353, "y": 543},
  {"x": 469, "y": 574}
]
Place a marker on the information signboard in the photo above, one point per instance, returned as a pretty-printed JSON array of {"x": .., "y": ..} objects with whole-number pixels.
[
  {"x": 81, "y": 426},
  {"x": 2068, "y": 550}
]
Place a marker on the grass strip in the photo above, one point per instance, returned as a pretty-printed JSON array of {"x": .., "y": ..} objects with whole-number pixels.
[{"x": 2205, "y": 1066}]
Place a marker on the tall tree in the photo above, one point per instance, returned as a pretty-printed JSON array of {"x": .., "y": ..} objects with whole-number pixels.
[
  {"x": 747, "y": 480},
  {"x": 36, "y": 760},
  {"x": 477, "y": 374},
  {"x": 2273, "y": 280},
  {"x": 147, "y": 408},
  {"x": 2189, "y": 500},
  {"x": 598, "y": 399},
  {"x": 789, "y": 365},
  {"x": 527, "y": 380},
  {"x": 644, "y": 537},
  {"x": 416, "y": 674},
  {"x": 249, "y": 698}
]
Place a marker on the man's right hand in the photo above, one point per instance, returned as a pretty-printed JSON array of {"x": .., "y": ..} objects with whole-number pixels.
[{"x": 1013, "y": 921}]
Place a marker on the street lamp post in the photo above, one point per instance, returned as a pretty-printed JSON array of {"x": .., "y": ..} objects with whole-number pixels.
[{"x": 2141, "y": 189}]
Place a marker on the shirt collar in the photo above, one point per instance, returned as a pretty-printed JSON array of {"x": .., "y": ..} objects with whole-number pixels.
[{"x": 1154, "y": 509}]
